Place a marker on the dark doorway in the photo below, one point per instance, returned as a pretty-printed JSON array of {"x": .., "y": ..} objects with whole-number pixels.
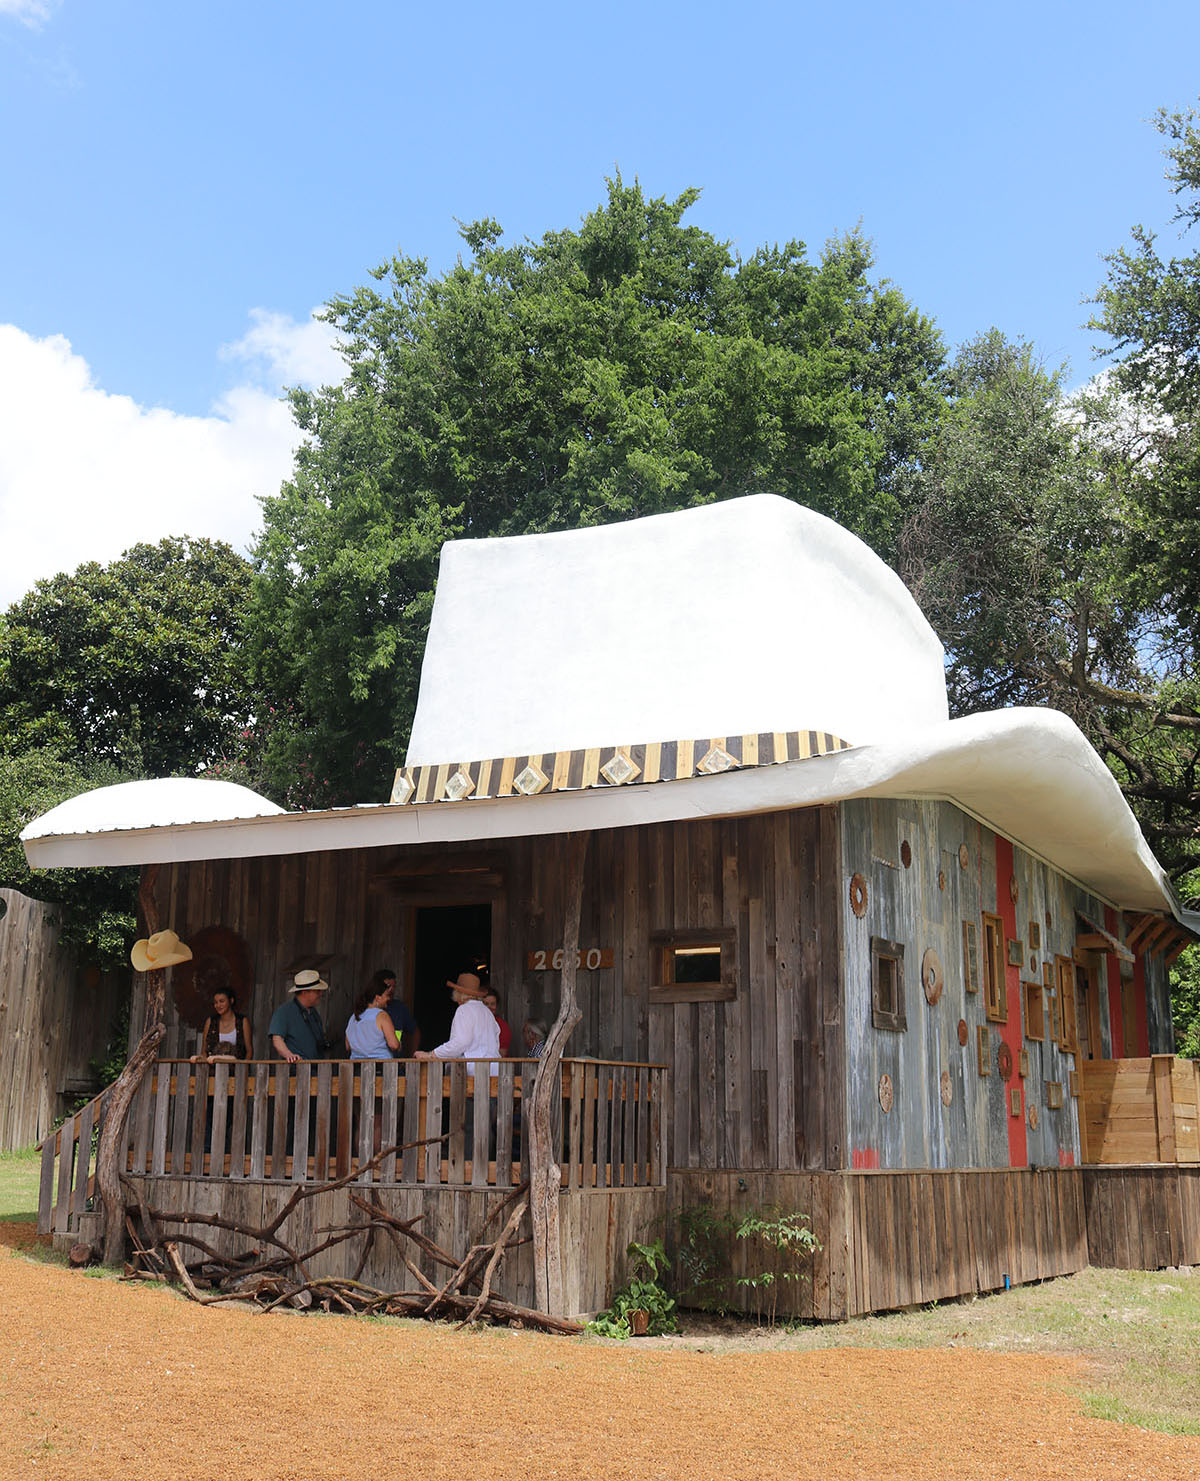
[{"x": 449, "y": 939}]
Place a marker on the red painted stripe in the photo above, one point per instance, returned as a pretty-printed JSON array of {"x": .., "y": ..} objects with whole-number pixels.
[
  {"x": 864, "y": 1157},
  {"x": 1010, "y": 1032}
]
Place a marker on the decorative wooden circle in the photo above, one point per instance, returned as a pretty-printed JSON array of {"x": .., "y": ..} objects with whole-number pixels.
[
  {"x": 964, "y": 856},
  {"x": 947, "y": 1088},
  {"x": 220, "y": 963},
  {"x": 858, "y": 895},
  {"x": 886, "y": 1093},
  {"x": 962, "y": 1032},
  {"x": 906, "y": 853},
  {"x": 1049, "y": 921},
  {"x": 933, "y": 979},
  {"x": 1033, "y": 964},
  {"x": 1033, "y": 1115},
  {"x": 1004, "y": 1060},
  {"x": 1014, "y": 889},
  {"x": 941, "y": 879}
]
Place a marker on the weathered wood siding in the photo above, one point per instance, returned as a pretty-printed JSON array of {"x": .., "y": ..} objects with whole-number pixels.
[
  {"x": 896, "y": 1239},
  {"x": 1142, "y": 1218},
  {"x": 756, "y": 1081},
  {"x": 54, "y": 1017},
  {"x": 924, "y": 906},
  {"x": 597, "y": 1227}
]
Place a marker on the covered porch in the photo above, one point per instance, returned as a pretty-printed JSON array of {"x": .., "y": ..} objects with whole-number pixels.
[{"x": 227, "y": 1139}]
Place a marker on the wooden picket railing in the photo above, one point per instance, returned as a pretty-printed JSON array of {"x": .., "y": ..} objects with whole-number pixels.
[{"x": 265, "y": 1119}]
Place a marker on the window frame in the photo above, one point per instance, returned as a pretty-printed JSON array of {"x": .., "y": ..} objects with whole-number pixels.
[
  {"x": 995, "y": 969},
  {"x": 663, "y": 944},
  {"x": 893, "y": 1018}
]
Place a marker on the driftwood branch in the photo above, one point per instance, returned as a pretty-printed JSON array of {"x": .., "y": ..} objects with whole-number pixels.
[{"x": 283, "y": 1277}]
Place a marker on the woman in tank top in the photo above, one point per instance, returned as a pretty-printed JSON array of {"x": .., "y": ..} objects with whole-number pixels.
[
  {"x": 226, "y": 1034},
  {"x": 370, "y": 1034}
]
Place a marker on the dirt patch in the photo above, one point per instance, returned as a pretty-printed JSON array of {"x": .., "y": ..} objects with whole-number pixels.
[{"x": 105, "y": 1379}]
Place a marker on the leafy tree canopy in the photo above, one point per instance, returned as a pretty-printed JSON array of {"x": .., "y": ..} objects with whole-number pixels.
[
  {"x": 96, "y": 906},
  {"x": 137, "y": 664},
  {"x": 633, "y": 366}
]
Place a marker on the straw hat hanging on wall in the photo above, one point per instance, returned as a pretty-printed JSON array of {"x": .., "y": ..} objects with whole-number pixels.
[{"x": 163, "y": 949}]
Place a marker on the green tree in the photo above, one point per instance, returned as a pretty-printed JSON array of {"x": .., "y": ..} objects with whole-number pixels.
[
  {"x": 633, "y": 366},
  {"x": 95, "y": 906},
  {"x": 1022, "y": 547},
  {"x": 139, "y": 663}
]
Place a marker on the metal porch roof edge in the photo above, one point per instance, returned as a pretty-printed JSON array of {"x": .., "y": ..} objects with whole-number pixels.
[{"x": 1029, "y": 774}]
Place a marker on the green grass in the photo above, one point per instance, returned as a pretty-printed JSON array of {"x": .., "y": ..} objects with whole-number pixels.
[{"x": 19, "y": 1174}]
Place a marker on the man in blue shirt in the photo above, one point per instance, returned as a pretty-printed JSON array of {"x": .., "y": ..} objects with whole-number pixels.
[
  {"x": 296, "y": 1029},
  {"x": 402, "y": 1020}
]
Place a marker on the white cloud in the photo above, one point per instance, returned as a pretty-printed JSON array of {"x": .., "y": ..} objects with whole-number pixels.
[
  {"x": 32, "y": 13},
  {"x": 84, "y": 473},
  {"x": 289, "y": 352}
]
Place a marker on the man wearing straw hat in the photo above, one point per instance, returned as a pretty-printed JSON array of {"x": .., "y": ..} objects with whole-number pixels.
[{"x": 296, "y": 1029}]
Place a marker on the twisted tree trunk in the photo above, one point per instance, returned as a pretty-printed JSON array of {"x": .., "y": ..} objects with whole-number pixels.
[
  {"x": 545, "y": 1175},
  {"x": 125, "y": 1086}
]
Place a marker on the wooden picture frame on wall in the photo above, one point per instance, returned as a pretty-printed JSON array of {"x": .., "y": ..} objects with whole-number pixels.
[
  {"x": 1016, "y": 952},
  {"x": 970, "y": 951},
  {"x": 995, "y": 984},
  {"x": 1034, "y": 936},
  {"x": 983, "y": 1048},
  {"x": 1054, "y": 1094}
]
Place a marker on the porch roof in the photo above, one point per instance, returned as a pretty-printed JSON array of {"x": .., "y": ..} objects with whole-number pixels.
[{"x": 1029, "y": 774}]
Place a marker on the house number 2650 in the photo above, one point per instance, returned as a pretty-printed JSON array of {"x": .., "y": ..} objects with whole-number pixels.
[{"x": 591, "y": 958}]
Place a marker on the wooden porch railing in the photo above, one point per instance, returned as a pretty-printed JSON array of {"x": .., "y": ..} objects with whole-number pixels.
[
  {"x": 1139, "y": 1110},
  {"x": 319, "y": 1121}
]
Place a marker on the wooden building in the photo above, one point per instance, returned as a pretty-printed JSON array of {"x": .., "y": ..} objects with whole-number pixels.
[{"x": 913, "y": 983}]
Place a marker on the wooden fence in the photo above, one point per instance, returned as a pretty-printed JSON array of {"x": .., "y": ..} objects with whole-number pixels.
[
  {"x": 248, "y": 1122},
  {"x": 1139, "y": 1110},
  {"x": 54, "y": 1017}
]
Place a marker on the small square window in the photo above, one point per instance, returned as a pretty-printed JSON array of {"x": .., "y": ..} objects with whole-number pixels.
[
  {"x": 887, "y": 984},
  {"x": 692, "y": 966}
]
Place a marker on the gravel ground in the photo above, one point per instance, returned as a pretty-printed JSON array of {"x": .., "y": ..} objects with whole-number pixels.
[{"x": 101, "y": 1379}]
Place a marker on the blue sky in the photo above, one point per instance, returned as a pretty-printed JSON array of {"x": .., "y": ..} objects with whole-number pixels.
[{"x": 183, "y": 184}]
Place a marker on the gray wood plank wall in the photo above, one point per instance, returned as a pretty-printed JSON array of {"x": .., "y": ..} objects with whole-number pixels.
[
  {"x": 755, "y": 1081},
  {"x": 922, "y": 906}
]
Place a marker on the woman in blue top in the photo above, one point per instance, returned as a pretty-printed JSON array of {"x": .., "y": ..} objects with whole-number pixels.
[{"x": 370, "y": 1033}]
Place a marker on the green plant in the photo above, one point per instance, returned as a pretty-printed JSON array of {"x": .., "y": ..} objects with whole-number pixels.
[
  {"x": 704, "y": 1253},
  {"x": 642, "y": 1293},
  {"x": 786, "y": 1244}
]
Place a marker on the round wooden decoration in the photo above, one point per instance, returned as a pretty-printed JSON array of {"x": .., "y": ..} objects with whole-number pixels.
[
  {"x": 964, "y": 855},
  {"x": 1033, "y": 1115},
  {"x": 1049, "y": 921},
  {"x": 886, "y": 1094},
  {"x": 962, "y": 1032},
  {"x": 906, "y": 854},
  {"x": 1004, "y": 1060},
  {"x": 947, "y": 1088},
  {"x": 1014, "y": 889},
  {"x": 1033, "y": 964},
  {"x": 941, "y": 879},
  {"x": 858, "y": 895},
  {"x": 933, "y": 979},
  {"x": 220, "y": 963}
]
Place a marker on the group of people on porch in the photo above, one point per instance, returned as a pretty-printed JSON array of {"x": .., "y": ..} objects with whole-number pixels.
[{"x": 380, "y": 1027}]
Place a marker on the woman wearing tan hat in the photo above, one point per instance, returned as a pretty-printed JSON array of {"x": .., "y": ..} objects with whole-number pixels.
[{"x": 474, "y": 1032}]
